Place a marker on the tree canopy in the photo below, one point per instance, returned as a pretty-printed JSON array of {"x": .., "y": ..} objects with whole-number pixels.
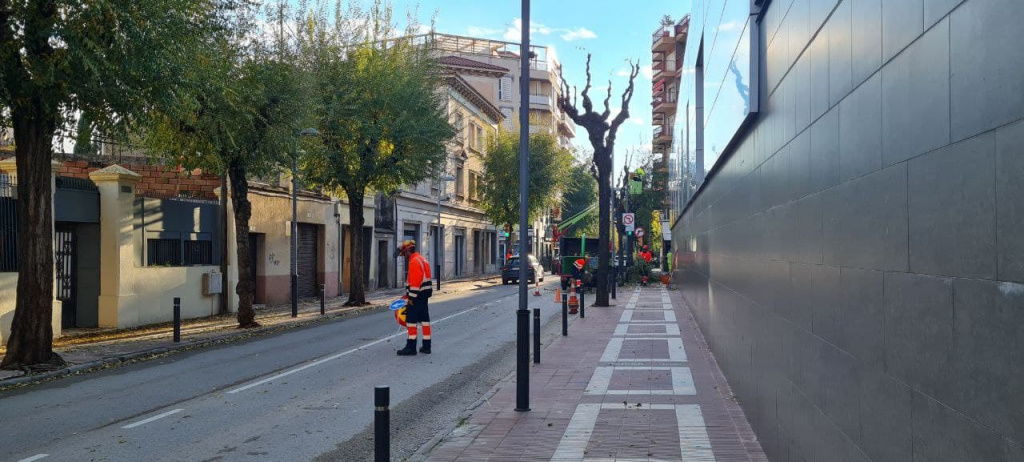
[
  {"x": 550, "y": 169},
  {"x": 381, "y": 111},
  {"x": 111, "y": 60}
]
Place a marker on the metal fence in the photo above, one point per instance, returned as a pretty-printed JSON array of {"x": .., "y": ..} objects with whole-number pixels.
[{"x": 8, "y": 226}]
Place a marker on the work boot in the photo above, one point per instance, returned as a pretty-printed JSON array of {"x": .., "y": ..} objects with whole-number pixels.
[
  {"x": 425, "y": 349},
  {"x": 410, "y": 348}
]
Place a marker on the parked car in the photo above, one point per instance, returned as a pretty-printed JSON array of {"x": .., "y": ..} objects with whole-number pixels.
[{"x": 510, "y": 272}]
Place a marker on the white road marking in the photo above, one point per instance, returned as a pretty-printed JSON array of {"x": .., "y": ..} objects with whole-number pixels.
[
  {"x": 676, "y": 351},
  {"x": 35, "y": 457},
  {"x": 671, "y": 330},
  {"x": 154, "y": 418},
  {"x": 358, "y": 348},
  {"x": 682, "y": 381},
  {"x": 694, "y": 444}
]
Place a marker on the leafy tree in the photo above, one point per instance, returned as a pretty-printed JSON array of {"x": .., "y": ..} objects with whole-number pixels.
[
  {"x": 382, "y": 119},
  {"x": 580, "y": 193},
  {"x": 110, "y": 59},
  {"x": 245, "y": 121},
  {"x": 601, "y": 133},
  {"x": 550, "y": 170},
  {"x": 83, "y": 138}
]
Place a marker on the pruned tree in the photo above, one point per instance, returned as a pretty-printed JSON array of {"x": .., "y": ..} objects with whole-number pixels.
[
  {"x": 601, "y": 133},
  {"x": 381, "y": 112},
  {"x": 113, "y": 60},
  {"x": 550, "y": 167},
  {"x": 244, "y": 120}
]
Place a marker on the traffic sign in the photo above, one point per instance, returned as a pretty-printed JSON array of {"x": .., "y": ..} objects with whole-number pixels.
[
  {"x": 639, "y": 232},
  {"x": 628, "y": 219}
]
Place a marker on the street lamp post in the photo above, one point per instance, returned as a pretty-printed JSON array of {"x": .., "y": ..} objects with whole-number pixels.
[
  {"x": 441, "y": 189},
  {"x": 308, "y": 132},
  {"x": 522, "y": 314}
]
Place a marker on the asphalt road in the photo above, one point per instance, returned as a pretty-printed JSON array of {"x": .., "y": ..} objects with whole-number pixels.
[{"x": 299, "y": 395}]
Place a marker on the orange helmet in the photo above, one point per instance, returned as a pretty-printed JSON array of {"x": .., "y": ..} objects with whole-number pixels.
[{"x": 579, "y": 263}]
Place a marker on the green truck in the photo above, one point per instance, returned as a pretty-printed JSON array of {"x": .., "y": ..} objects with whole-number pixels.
[{"x": 572, "y": 249}]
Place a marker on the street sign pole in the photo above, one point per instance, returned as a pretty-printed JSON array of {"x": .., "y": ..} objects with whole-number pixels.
[{"x": 522, "y": 314}]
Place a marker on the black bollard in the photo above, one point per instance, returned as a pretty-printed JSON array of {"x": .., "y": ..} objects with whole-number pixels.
[
  {"x": 536, "y": 335},
  {"x": 522, "y": 360},
  {"x": 381, "y": 424},
  {"x": 437, "y": 272},
  {"x": 323, "y": 299},
  {"x": 583, "y": 306},
  {"x": 177, "y": 319},
  {"x": 565, "y": 314},
  {"x": 615, "y": 272}
]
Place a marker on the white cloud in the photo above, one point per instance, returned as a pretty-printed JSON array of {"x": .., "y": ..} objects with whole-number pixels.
[
  {"x": 478, "y": 31},
  {"x": 647, "y": 71},
  {"x": 581, "y": 33},
  {"x": 639, "y": 121},
  {"x": 729, "y": 26},
  {"x": 515, "y": 31},
  {"x": 423, "y": 29},
  {"x": 623, "y": 73}
]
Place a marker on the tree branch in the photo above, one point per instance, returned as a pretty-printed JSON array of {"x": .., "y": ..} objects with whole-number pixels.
[
  {"x": 588, "y": 106},
  {"x": 607, "y": 99},
  {"x": 627, "y": 96}
]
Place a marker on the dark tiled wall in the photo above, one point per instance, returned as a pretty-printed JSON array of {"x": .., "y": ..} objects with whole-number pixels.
[{"x": 858, "y": 264}]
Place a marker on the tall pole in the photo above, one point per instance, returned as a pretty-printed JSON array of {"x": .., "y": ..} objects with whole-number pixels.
[
  {"x": 437, "y": 237},
  {"x": 295, "y": 237},
  {"x": 522, "y": 314}
]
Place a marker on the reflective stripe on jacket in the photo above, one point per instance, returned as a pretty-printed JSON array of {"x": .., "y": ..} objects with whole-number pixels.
[{"x": 419, "y": 282}]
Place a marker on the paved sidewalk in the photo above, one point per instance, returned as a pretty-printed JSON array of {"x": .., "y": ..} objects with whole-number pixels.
[
  {"x": 632, "y": 382},
  {"x": 86, "y": 349}
]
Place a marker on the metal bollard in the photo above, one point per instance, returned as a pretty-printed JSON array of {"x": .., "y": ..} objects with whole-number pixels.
[
  {"x": 323, "y": 299},
  {"x": 522, "y": 360},
  {"x": 536, "y": 335},
  {"x": 177, "y": 319},
  {"x": 381, "y": 424},
  {"x": 614, "y": 282},
  {"x": 437, "y": 272},
  {"x": 583, "y": 306},
  {"x": 565, "y": 315}
]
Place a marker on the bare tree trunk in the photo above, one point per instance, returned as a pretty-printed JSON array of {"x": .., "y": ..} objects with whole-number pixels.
[
  {"x": 357, "y": 291},
  {"x": 31, "y": 330},
  {"x": 604, "y": 173},
  {"x": 243, "y": 212}
]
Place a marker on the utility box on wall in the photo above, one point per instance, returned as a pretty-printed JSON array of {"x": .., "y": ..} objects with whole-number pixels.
[{"x": 212, "y": 283}]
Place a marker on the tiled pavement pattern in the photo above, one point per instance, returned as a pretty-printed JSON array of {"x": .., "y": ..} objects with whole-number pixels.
[{"x": 634, "y": 382}]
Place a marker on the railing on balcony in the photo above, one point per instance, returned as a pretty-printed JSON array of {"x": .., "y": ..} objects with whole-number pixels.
[
  {"x": 543, "y": 100},
  {"x": 662, "y": 131},
  {"x": 664, "y": 31}
]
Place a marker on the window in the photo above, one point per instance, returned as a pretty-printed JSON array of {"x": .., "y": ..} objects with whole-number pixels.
[
  {"x": 505, "y": 89},
  {"x": 459, "y": 174},
  {"x": 479, "y": 138},
  {"x": 198, "y": 253},
  {"x": 508, "y": 113},
  {"x": 459, "y": 124},
  {"x": 473, "y": 180},
  {"x": 472, "y": 135},
  {"x": 163, "y": 252}
]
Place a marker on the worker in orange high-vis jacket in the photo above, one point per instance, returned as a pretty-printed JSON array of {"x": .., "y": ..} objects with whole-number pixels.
[{"x": 419, "y": 287}]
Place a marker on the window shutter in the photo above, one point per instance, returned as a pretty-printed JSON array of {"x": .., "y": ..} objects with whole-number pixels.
[
  {"x": 505, "y": 90},
  {"x": 507, "y": 111}
]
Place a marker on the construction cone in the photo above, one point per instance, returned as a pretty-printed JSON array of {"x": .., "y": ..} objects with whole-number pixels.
[
  {"x": 558, "y": 294},
  {"x": 574, "y": 303},
  {"x": 536, "y": 290}
]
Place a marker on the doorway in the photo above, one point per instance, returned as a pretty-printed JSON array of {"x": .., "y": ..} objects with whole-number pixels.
[
  {"x": 382, "y": 264},
  {"x": 460, "y": 253},
  {"x": 65, "y": 249}
]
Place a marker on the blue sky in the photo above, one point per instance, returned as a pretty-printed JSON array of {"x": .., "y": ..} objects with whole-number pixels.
[{"x": 615, "y": 31}]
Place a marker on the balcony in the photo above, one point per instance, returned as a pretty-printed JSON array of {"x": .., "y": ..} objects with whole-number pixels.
[
  {"x": 664, "y": 66},
  {"x": 664, "y": 38},
  {"x": 541, "y": 102},
  {"x": 663, "y": 133},
  {"x": 662, "y": 100}
]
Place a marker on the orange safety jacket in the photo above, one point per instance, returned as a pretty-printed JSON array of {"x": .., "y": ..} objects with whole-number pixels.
[{"x": 419, "y": 283}]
